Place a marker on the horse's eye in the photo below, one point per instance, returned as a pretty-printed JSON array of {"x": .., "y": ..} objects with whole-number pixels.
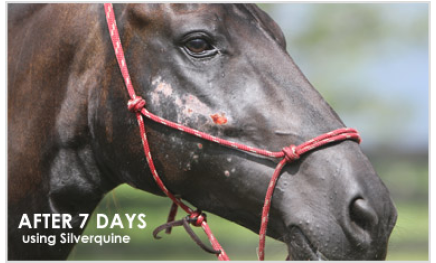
[{"x": 198, "y": 45}]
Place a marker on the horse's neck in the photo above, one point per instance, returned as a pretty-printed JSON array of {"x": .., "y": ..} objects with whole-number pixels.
[{"x": 53, "y": 73}]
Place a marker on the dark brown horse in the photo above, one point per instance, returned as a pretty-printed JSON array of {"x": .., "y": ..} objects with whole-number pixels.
[{"x": 222, "y": 69}]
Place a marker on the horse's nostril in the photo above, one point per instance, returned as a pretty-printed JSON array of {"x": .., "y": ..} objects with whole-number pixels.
[{"x": 362, "y": 214}]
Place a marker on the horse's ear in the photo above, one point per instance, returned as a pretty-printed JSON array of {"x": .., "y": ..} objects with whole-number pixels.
[{"x": 268, "y": 24}]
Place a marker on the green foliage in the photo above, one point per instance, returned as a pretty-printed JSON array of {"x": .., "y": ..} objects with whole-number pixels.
[{"x": 409, "y": 241}]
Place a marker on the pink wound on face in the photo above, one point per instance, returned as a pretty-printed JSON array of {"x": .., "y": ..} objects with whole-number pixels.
[{"x": 219, "y": 118}]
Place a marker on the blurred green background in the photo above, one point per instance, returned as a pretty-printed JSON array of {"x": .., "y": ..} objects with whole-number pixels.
[{"x": 370, "y": 62}]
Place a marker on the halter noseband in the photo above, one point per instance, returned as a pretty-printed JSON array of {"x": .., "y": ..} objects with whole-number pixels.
[{"x": 197, "y": 218}]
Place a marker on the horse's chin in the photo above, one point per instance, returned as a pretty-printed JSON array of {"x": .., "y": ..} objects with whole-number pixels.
[{"x": 300, "y": 247}]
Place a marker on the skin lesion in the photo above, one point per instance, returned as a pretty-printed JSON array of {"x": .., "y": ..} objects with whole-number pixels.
[
  {"x": 189, "y": 106},
  {"x": 219, "y": 118}
]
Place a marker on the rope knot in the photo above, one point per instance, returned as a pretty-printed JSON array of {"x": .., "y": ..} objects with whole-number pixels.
[
  {"x": 291, "y": 153},
  {"x": 197, "y": 218},
  {"x": 136, "y": 104}
]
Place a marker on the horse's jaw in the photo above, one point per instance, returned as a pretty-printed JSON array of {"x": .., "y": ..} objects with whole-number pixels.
[{"x": 301, "y": 248}]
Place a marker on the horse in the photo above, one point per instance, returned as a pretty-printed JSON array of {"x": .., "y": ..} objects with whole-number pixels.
[{"x": 222, "y": 69}]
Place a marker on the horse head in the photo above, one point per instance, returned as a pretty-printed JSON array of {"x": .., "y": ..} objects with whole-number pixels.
[{"x": 223, "y": 70}]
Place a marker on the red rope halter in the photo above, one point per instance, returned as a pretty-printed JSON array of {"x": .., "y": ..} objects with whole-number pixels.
[{"x": 288, "y": 154}]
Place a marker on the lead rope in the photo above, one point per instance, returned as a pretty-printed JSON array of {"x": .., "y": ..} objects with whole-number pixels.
[{"x": 288, "y": 154}]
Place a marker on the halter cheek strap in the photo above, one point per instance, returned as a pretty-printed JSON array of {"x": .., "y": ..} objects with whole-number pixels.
[{"x": 288, "y": 154}]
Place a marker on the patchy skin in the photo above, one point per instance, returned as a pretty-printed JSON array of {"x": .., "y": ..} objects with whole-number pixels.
[
  {"x": 155, "y": 98},
  {"x": 190, "y": 106},
  {"x": 165, "y": 89},
  {"x": 162, "y": 89},
  {"x": 190, "y": 109},
  {"x": 178, "y": 102}
]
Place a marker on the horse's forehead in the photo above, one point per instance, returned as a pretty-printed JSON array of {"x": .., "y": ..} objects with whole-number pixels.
[
  {"x": 187, "y": 8},
  {"x": 194, "y": 9}
]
